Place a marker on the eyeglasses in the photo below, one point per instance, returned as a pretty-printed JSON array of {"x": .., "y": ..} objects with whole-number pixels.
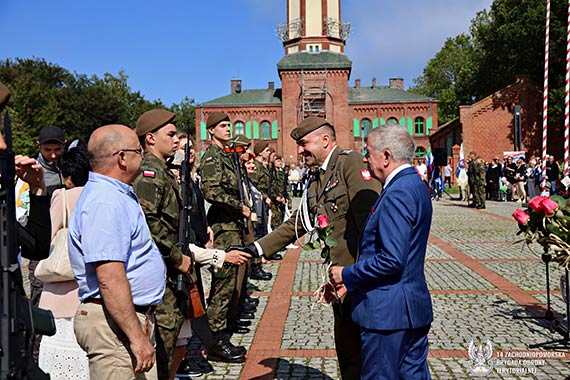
[{"x": 138, "y": 151}]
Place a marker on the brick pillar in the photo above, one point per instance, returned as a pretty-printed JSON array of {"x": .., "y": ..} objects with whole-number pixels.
[{"x": 454, "y": 159}]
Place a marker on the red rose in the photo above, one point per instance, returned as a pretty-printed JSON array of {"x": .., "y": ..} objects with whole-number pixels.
[
  {"x": 549, "y": 206},
  {"x": 535, "y": 204},
  {"x": 522, "y": 217},
  {"x": 322, "y": 221}
]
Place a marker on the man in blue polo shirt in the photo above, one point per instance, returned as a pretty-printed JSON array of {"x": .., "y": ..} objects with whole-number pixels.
[{"x": 118, "y": 268}]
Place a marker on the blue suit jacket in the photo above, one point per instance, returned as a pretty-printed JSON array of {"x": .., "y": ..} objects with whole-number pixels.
[{"x": 388, "y": 282}]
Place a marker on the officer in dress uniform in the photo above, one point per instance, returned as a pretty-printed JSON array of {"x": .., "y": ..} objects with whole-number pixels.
[
  {"x": 159, "y": 195},
  {"x": 344, "y": 191}
]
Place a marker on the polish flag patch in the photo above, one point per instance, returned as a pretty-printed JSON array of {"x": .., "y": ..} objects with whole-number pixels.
[
  {"x": 365, "y": 174},
  {"x": 149, "y": 174}
]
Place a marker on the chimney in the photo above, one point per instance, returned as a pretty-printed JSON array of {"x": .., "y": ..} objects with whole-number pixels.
[
  {"x": 373, "y": 82},
  {"x": 271, "y": 85},
  {"x": 236, "y": 86},
  {"x": 397, "y": 83},
  {"x": 357, "y": 83}
]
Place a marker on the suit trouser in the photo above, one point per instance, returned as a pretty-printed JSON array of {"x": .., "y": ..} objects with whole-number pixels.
[
  {"x": 107, "y": 347},
  {"x": 395, "y": 354},
  {"x": 347, "y": 340}
]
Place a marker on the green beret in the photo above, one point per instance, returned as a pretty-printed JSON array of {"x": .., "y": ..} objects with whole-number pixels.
[
  {"x": 241, "y": 140},
  {"x": 4, "y": 96},
  {"x": 154, "y": 119},
  {"x": 215, "y": 118},
  {"x": 259, "y": 147},
  {"x": 307, "y": 126},
  {"x": 271, "y": 149}
]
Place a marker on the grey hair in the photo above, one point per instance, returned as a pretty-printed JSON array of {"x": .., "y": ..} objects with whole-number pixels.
[{"x": 394, "y": 138}]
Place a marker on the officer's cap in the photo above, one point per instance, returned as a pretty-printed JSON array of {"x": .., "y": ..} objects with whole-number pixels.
[
  {"x": 153, "y": 120},
  {"x": 307, "y": 126},
  {"x": 260, "y": 147},
  {"x": 215, "y": 118}
]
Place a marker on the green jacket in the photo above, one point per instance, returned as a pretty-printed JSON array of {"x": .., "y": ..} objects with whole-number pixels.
[
  {"x": 260, "y": 178},
  {"x": 220, "y": 187},
  {"x": 159, "y": 196}
]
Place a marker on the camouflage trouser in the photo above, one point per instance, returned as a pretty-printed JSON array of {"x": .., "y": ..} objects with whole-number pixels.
[
  {"x": 277, "y": 214},
  {"x": 223, "y": 291},
  {"x": 170, "y": 315},
  {"x": 479, "y": 193}
]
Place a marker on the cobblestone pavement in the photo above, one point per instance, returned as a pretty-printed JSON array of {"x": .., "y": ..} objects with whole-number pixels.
[{"x": 479, "y": 278}]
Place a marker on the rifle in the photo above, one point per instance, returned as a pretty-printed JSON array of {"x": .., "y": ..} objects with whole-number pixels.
[
  {"x": 19, "y": 320},
  {"x": 183, "y": 282},
  {"x": 242, "y": 185}
]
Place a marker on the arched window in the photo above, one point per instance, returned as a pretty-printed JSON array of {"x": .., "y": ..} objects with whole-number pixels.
[
  {"x": 239, "y": 128},
  {"x": 392, "y": 121},
  {"x": 265, "y": 130},
  {"x": 420, "y": 152},
  {"x": 365, "y": 126},
  {"x": 419, "y": 126}
]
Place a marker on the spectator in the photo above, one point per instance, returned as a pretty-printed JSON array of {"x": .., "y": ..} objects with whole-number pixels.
[
  {"x": 447, "y": 170},
  {"x": 60, "y": 355},
  {"x": 531, "y": 176},
  {"x": 510, "y": 171},
  {"x": 118, "y": 267},
  {"x": 494, "y": 173},
  {"x": 552, "y": 173},
  {"x": 294, "y": 180},
  {"x": 520, "y": 178}
]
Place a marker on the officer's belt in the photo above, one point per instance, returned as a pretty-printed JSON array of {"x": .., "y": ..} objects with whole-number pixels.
[{"x": 147, "y": 309}]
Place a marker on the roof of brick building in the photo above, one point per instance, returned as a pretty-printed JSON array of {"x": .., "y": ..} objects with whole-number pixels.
[
  {"x": 384, "y": 94},
  {"x": 248, "y": 97}
]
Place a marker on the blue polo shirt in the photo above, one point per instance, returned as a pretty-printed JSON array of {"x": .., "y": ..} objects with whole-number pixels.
[{"x": 108, "y": 224}]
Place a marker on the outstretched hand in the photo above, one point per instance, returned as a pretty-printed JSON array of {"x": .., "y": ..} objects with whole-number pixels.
[
  {"x": 250, "y": 249},
  {"x": 237, "y": 257}
]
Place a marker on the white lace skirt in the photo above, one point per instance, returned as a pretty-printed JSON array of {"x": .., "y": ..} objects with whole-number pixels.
[{"x": 61, "y": 356}]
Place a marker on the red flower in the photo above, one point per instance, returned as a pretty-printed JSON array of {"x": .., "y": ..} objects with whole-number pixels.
[
  {"x": 535, "y": 204},
  {"x": 322, "y": 221},
  {"x": 548, "y": 206},
  {"x": 522, "y": 217}
]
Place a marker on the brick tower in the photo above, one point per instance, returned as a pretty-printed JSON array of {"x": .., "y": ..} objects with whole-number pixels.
[{"x": 314, "y": 71}]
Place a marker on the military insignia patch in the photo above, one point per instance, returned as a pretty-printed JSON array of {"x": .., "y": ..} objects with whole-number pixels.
[
  {"x": 365, "y": 174},
  {"x": 149, "y": 174},
  {"x": 209, "y": 159}
]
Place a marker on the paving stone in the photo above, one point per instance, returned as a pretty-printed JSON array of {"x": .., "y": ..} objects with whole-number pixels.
[{"x": 453, "y": 276}]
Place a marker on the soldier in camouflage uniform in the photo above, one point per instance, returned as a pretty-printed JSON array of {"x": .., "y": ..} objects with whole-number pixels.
[
  {"x": 159, "y": 194},
  {"x": 278, "y": 195},
  {"x": 225, "y": 216},
  {"x": 476, "y": 176}
]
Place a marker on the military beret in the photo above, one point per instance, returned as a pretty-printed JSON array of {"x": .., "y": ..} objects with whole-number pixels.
[
  {"x": 307, "y": 126},
  {"x": 215, "y": 118},
  {"x": 153, "y": 120},
  {"x": 241, "y": 140},
  {"x": 260, "y": 147},
  {"x": 271, "y": 149},
  {"x": 4, "y": 96}
]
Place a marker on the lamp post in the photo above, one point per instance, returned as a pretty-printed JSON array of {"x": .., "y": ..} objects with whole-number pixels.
[{"x": 517, "y": 135}]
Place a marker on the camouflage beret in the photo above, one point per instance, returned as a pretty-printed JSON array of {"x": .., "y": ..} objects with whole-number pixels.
[
  {"x": 153, "y": 120},
  {"x": 215, "y": 118},
  {"x": 260, "y": 147},
  {"x": 4, "y": 96},
  {"x": 241, "y": 140},
  {"x": 307, "y": 126}
]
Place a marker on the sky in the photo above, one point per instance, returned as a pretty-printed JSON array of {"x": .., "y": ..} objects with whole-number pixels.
[{"x": 175, "y": 48}]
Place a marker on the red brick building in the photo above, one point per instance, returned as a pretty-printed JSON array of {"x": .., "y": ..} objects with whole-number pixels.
[
  {"x": 487, "y": 127},
  {"x": 315, "y": 75}
]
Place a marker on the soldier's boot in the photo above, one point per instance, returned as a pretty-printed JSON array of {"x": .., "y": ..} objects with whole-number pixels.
[
  {"x": 188, "y": 369},
  {"x": 224, "y": 351},
  {"x": 251, "y": 301},
  {"x": 257, "y": 273}
]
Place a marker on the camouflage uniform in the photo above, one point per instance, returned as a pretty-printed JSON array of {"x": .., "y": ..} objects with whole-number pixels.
[
  {"x": 478, "y": 180},
  {"x": 277, "y": 208},
  {"x": 159, "y": 196},
  {"x": 221, "y": 188}
]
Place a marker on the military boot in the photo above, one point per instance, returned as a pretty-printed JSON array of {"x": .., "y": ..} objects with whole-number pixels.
[
  {"x": 224, "y": 351},
  {"x": 257, "y": 273}
]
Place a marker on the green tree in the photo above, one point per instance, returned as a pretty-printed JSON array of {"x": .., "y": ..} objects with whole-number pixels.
[{"x": 186, "y": 111}]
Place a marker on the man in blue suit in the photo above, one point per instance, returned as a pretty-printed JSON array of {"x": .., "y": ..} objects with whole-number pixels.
[{"x": 391, "y": 301}]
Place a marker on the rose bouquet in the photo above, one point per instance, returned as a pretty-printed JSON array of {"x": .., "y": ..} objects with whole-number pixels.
[
  {"x": 326, "y": 293},
  {"x": 547, "y": 222}
]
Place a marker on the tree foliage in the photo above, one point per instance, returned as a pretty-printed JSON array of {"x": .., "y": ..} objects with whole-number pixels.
[
  {"x": 506, "y": 41},
  {"x": 47, "y": 94}
]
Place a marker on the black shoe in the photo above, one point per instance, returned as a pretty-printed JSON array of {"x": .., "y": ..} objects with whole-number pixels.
[
  {"x": 188, "y": 369},
  {"x": 204, "y": 365},
  {"x": 480, "y": 207},
  {"x": 252, "y": 288},
  {"x": 224, "y": 351},
  {"x": 243, "y": 323},
  {"x": 472, "y": 205},
  {"x": 247, "y": 316},
  {"x": 248, "y": 308},
  {"x": 276, "y": 256},
  {"x": 257, "y": 273},
  {"x": 240, "y": 329},
  {"x": 248, "y": 301}
]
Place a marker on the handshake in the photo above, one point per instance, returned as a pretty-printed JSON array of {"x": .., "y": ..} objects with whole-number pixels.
[{"x": 249, "y": 249}]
